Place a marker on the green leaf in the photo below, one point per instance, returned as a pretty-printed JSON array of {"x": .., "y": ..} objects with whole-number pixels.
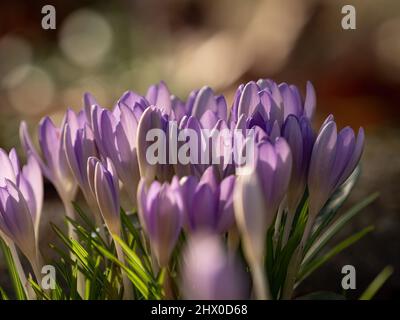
[
  {"x": 284, "y": 256},
  {"x": 138, "y": 283},
  {"x": 314, "y": 246},
  {"x": 16, "y": 281},
  {"x": 3, "y": 294},
  {"x": 134, "y": 260},
  {"x": 40, "y": 293},
  {"x": 377, "y": 283},
  {"x": 137, "y": 238},
  {"x": 336, "y": 201},
  {"x": 310, "y": 267},
  {"x": 322, "y": 295}
]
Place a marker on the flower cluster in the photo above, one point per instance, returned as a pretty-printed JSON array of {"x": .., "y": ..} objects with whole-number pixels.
[{"x": 104, "y": 153}]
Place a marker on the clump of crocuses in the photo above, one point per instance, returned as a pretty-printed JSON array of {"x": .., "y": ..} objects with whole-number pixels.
[{"x": 202, "y": 179}]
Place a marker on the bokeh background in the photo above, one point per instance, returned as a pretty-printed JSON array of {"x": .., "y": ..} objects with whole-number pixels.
[{"x": 107, "y": 47}]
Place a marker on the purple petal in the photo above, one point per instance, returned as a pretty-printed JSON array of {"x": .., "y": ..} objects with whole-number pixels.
[
  {"x": 310, "y": 101},
  {"x": 204, "y": 101},
  {"x": 7, "y": 169},
  {"x": 322, "y": 159},
  {"x": 249, "y": 99}
]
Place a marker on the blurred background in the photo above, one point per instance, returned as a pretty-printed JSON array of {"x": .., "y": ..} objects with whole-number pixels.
[{"x": 107, "y": 47}]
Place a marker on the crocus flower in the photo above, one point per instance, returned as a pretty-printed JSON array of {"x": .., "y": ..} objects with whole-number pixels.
[
  {"x": 208, "y": 202},
  {"x": 115, "y": 134},
  {"x": 161, "y": 214},
  {"x": 154, "y": 119},
  {"x": 79, "y": 147},
  {"x": 213, "y": 143},
  {"x": 334, "y": 157},
  {"x": 259, "y": 193},
  {"x": 88, "y": 102},
  {"x": 159, "y": 95},
  {"x": 206, "y": 100},
  {"x": 104, "y": 184},
  {"x": 27, "y": 179},
  {"x": 16, "y": 222},
  {"x": 54, "y": 164},
  {"x": 21, "y": 199},
  {"x": 209, "y": 273},
  {"x": 272, "y": 102},
  {"x": 300, "y": 138}
]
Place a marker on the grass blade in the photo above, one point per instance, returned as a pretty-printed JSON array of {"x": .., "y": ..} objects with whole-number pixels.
[
  {"x": 316, "y": 245},
  {"x": 377, "y": 283},
  {"x": 309, "y": 268},
  {"x": 16, "y": 281}
]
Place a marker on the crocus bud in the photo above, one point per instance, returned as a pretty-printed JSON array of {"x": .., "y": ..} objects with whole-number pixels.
[
  {"x": 161, "y": 215},
  {"x": 251, "y": 215},
  {"x": 274, "y": 166},
  {"x": 115, "y": 134},
  {"x": 259, "y": 193},
  {"x": 54, "y": 164},
  {"x": 16, "y": 220},
  {"x": 88, "y": 101},
  {"x": 334, "y": 157},
  {"x": 208, "y": 202},
  {"x": 272, "y": 101},
  {"x": 107, "y": 194},
  {"x": 79, "y": 147},
  {"x": 28, "y": 180},
  {"x": 300, "y": 137},
  {"x": 208, "y": 272},
  {"x": 148, "y": 145},
  {"x": 205, "y": 100},
  {"x": 159, "y": 95}
]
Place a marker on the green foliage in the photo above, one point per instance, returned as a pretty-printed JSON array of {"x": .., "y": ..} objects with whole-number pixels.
[
  {"x": 377, "y": 283},
  {"x": 12, "y": 269}
]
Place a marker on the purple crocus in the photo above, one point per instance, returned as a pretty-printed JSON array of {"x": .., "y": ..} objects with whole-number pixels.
[
  {"x": 159, "y": 95},
  {"x": 267, "y": 105},
  {"x": 79, "y": 147},
  {"x": 205, "y": 100},
  {"x": 54, "y": 164},
  {"x": 208, "y": 272},
  {"x": 103, "y": 181},
  {"x": 152, "y": 166},
  {"x": 259, "y": 193},
  {"x": 161, "y": 214},
  {"x": 16, "y": 220},
  {"x": 208, "y": 202},
  {"x": 272, "y": 102},
  {"x": 300, "y": 137},
  {"x": 115, "y": 134},
  {"x": 104, "y": 184},
  {"x": 212, "y": 145},
  {"x": 27, "y": 179},
  {"x": 334, "y": 157},
  {"x": 21, "y": 199}
]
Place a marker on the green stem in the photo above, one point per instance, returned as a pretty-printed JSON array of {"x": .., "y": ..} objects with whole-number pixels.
[
  {"x": 278, "y": 223},
  {"x": 70, "y": 213},
  {"x": 288, "y": 227},
  {"x": 295, "y": 262},
  {"x": 128, "y": 289},
  {"x": 21, "y": 273}
]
